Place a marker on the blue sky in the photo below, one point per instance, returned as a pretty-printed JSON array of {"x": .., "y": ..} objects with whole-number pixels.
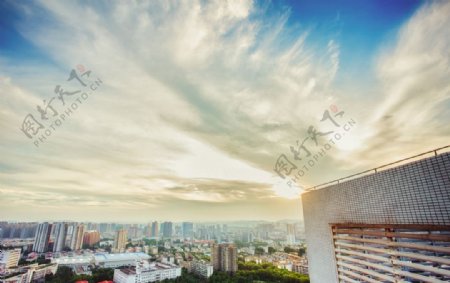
[
  {"x": 360, "y": 27},
  {"x": 200, "y": 98}
]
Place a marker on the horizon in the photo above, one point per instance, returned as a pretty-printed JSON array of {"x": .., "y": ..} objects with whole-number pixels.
[{"x": 159, "y": 221}]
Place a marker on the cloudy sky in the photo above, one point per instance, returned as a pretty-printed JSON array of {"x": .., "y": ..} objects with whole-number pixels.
[{"x": 195, "y": 102}]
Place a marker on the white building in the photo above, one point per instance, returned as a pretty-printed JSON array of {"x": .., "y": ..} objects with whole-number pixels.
[
  {"x": 42, "y": 237},
  {"x": 389, "y": 226},
  {"x": 118, "y": 260},
  {"x": 60, "y": 236},
  {"x": 76, "y": 240},
  {"x": 102, "y": 260},
  {"x": 202, "y": 268},
  {"x": 145, "y": 272}
]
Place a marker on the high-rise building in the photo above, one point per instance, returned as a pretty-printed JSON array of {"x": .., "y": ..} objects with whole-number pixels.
[
  {"x": 225, "y": 228},
  {"x": 77, "y": 237},
  {"x": 17, "y": 230},
  {"x": 167, "y": 229},
  {"x": 290, "y": 234},
  {"x": 224, "y": 257},
  {"x": 90, "y": 238},
  {"x": 120, "y": 241},
  {"x": 148, "y": 230},
  {"x": 42, "y": 237},
  {"x": 133, "y": 231},
  {"x": 247, "y": 237},
  {"x": 188, "y": 229},
  {"x": 155, "y": 229},
  {"x": 60, "y": 231},
  {"x": 389, "y": 226},
  {"x": 103, "y": 227}
]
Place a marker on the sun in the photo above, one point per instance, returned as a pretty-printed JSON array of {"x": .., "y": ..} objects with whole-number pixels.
[{"x": 286, "y": 188}]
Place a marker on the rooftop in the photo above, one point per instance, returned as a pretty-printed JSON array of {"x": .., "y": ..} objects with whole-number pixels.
[{"x": 431, "y": 153}]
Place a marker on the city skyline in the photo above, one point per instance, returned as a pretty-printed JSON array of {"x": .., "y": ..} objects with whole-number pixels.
[
  {"x": 196, "y": 101},
  {"x": 159, "y": 222}
]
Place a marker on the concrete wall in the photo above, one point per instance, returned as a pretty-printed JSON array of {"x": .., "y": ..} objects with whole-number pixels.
[{"x": 414, "y": 193}]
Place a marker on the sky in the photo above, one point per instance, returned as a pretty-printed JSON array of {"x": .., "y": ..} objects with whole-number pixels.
[{"x": 188, "y": 110}]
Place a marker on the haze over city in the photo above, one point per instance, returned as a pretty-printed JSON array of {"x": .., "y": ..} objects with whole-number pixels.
[{"x": 198, "y": 100}]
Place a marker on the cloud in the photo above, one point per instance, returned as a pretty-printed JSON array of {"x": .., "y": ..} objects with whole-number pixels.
[
  {"x": 413, "y": 109},
  {"x": 197, "y": 102}
]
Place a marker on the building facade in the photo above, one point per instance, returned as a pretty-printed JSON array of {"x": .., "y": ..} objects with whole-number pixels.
[
  {"x": 155, "y": 229},
  {"x": 224, "y": 257},
  {"x": 9, "y": 259},
  {"x": 145, "y": 272},
  {"x": 188, "y": 230},
  {"x": 201, "y": 268},
  {"x": 29, "y": 274},
  {"x": 60, "y": 232},
  {"x": 42, "y": 237},
  {"x": 76, "y": 242},
  {"x": 389, "y": 226},
  {"x": 120, "y": 241},
  {"x": 102, "y": 260},
  {"x": 290, "y": 234},
  {"x": 167, "y": 229},
  {"x": 91, "y": 237}
]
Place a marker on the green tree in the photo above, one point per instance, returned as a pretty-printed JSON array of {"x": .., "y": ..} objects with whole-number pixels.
[
  {"x": 259, "y": 251},
  {"x": 289, "y": 250},
  {"x": 301, "y": 251},
  {"x": 64, "y": 274}
]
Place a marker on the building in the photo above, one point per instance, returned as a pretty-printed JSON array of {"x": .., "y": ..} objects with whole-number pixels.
[
  {"x": 14, "y": 278},
  {"x": 247, "y": 237},
  {"x": 201, "y": 268},
  {"x": 9, "y": 259},
  {"x": 224, "y": 257},
  {"x": 145, "y": 272},
  {"x": 118, "y": 260},
  {"x": 300, "y": 267},
  {"x": 76, "y": 242},
  {"x": 91, "y": 238},
  {"x": 60, "y": 232},
  {"x": 155, "y": 229},
  {"x": 42, "y": 237},
  {"x": 29, "y": 274},
  {"x": 392, "y": 225},
  {"x": 101, "y": 260},
  {"x": 133, "y": 231},
  {"x": 120, "y": 241},
  {"x": 188, "y": 230},
  {"x": 167, "y": 229},
  {"x": 290, "y": 234},
  {"x": 17, "y": 230}
]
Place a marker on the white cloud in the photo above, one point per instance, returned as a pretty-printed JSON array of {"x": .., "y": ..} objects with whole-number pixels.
[
  {"x": 412, "y": 113},
  {"x": 198, "y": 91}
]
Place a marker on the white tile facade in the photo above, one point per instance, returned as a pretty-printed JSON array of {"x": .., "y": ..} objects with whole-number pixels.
[{"x": 414, "y": 193}]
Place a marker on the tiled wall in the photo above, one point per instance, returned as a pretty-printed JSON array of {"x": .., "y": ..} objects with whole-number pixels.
[{"x": 414, "y": 193}]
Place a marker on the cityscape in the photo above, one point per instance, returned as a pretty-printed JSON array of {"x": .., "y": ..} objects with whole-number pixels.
[
  {"x": 224, "y": 141},
  {"x": 149, "y": 252}
]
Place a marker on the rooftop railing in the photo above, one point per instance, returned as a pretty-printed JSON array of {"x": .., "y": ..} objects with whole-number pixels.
[{"x": 378, "y": 169}]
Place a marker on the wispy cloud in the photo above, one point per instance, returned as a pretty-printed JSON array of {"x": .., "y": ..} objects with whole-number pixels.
[{"x": 199, "y": 99}]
